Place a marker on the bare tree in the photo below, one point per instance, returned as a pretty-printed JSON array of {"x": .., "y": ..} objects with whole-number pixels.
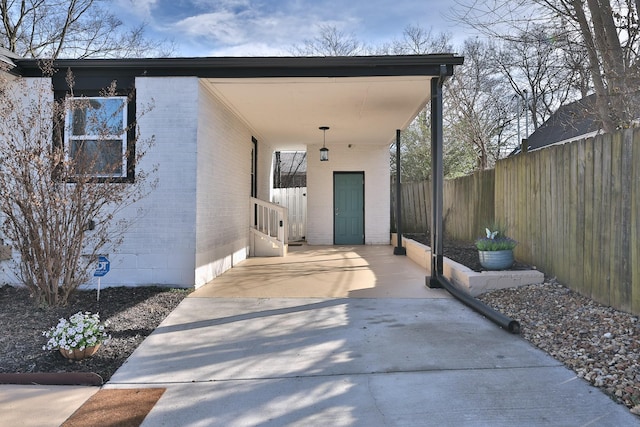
[
  {"x": 478, "y": 101},
  {"x": 330, "y": 41},
  {"x": 459, "y": 158},
  {"x": 417, "y": 40},
  {"x": 610, "y": 37},
  {"x": 71, "y": 29},
  {"x": 534, "y": 61},
  {"x": 290, "y": 169},
  {"x": 56, "y": 215},
  {"x": 605, "y": 32}
]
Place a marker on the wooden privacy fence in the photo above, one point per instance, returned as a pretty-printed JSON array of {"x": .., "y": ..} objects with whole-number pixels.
[
  {"x": 416, "y": 206},
  {"x": 573, "y": 208},
  {"x": 467, "y": 206}
]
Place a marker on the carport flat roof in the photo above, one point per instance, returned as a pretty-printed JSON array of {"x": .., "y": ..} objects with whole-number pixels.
[
  {"x": 363, "y": 99},
  {"x": 252, "y": 67}
]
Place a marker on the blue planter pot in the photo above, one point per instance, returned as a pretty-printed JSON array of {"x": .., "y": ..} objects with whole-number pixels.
[{"x": 496, "y": 260}]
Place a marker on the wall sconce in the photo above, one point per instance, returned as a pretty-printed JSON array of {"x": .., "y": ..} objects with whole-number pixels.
[{"x": 324, "y": 151}]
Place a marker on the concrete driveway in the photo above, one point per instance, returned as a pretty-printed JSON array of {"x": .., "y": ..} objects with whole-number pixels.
[{"x": 349, "y": 337}]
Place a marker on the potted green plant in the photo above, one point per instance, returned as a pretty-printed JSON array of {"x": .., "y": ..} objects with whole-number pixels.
[
  {"x": 77, "y": 338},
  {"x": 495, "y": 250}
]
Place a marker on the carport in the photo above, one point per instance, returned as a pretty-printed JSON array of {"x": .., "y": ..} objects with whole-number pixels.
[{"x": 366, "y": 102}]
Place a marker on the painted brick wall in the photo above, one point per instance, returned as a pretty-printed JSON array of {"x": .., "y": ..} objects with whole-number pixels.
[
  {"x": 223, "y": 188},
  {"x": 374, "y": 162},
  {"x": 160, "y": 246},
  {"x": 195, "y": 224}
]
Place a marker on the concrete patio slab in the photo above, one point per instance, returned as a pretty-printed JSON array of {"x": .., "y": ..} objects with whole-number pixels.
[
  {"x": 324, "y": 272},
  {"x": 353, "y": 362},
  {"x": 546, "y": 397},
  {"x": 223, "y": 339},
  {"x": 301, "y": 341},
  {"x": 40, "y": 406}
]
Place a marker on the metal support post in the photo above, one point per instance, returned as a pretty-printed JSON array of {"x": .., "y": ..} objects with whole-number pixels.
[
  {"x": 399, "y": 249},
  {"x": 437, "y": 179}
]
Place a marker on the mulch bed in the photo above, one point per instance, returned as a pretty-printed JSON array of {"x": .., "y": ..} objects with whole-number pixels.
[{"x": 132, "y": 314}]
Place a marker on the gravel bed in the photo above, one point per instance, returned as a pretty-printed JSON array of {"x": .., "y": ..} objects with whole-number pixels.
[{"x": 599, "y": 343}]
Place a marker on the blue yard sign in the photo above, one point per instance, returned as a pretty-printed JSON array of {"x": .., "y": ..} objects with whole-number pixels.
[{"x": 103, "y": 267}]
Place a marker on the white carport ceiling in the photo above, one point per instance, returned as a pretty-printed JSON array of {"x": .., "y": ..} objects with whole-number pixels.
[{"x": 286, "y": 112}]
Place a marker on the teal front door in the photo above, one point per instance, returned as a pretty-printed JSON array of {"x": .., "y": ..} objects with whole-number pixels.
[{"x": 348, "y": 208}]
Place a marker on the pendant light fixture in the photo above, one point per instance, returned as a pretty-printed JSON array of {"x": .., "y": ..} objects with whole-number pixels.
[{"x": 324, "y": 151}]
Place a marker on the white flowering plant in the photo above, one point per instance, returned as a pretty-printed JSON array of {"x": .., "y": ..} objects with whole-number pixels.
[{"x": 82, "y": 330}]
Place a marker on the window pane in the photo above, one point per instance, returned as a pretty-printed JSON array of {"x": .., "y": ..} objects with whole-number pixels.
[
  {"x": 97, "y": 116},
  {"x": 103, "y": 157}
]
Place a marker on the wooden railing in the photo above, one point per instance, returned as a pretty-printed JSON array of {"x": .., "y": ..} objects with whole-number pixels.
[{"x": 269, "y": 228}]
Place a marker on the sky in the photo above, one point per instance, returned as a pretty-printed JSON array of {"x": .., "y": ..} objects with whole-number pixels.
[{"x": 272, "y": 27}]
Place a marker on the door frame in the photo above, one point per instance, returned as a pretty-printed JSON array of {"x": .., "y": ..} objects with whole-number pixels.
[{"x": 361, "y": 173}]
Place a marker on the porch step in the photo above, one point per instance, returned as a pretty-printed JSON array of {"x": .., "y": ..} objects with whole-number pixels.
[{"x": 263, "y": 245}]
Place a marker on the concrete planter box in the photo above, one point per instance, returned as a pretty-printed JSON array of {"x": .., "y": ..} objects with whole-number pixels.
[{"x": 462, "y": 277}]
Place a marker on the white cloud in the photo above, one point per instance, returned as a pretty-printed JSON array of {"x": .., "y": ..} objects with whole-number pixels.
[
  {"x": 223, "y": 27},
  {"x": 254, "y": 32},
  {"x": 269, "y": 27},
  {"x": 140, "y": 8},
  {"x": 249, "y": 49}
]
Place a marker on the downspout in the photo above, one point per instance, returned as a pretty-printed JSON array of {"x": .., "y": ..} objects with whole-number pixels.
[
  {"x": 437, "y": 279},
  {"x": 399, "y": 249},
  {"x": 437, "y": 177},
  {"x": 496, "y": 317}
]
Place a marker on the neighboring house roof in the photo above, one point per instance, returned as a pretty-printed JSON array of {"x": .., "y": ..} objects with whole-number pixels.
[
  {"x": 571, "y": 121},
  {"x": 364, "y": 99}
]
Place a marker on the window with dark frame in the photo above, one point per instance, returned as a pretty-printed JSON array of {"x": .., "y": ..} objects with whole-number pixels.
[{"x": 95, "y": 135}]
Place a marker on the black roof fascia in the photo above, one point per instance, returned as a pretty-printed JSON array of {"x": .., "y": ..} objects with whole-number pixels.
[{"x": 100, "y": 72}]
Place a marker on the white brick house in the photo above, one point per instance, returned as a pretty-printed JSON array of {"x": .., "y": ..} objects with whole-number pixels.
[{"x": 217, "y": 123}]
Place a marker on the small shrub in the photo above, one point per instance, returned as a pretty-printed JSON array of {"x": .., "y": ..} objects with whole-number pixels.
[{"x": 495, "y": 241}]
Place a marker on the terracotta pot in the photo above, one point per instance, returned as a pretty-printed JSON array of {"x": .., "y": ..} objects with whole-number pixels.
[
  {"x": 496, "y": 260},
  {"x": 79, "y": 354}
]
